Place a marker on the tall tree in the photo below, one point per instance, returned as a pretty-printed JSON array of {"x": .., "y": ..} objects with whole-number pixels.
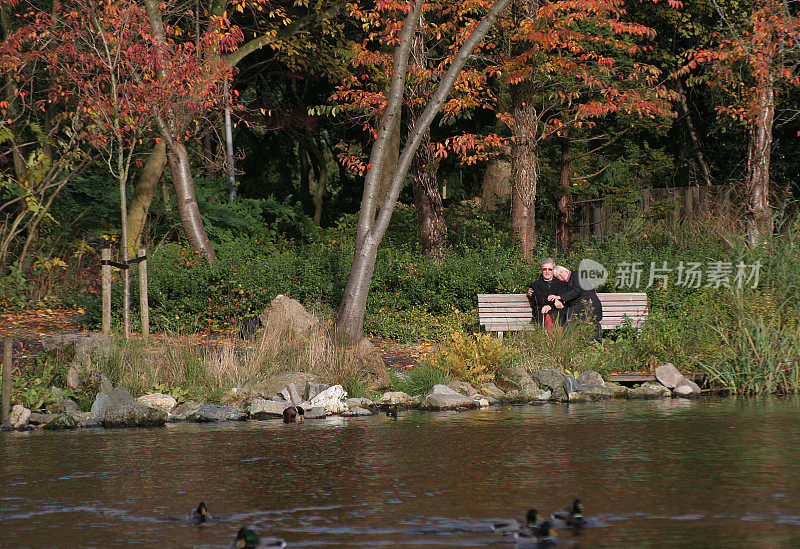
[
  {"x": 372, "y": 228},
  {"x": 172, "y": 120},
  {"x": 525, "y": 130},
  {"x": 425, "y": 186},
  {"x": 98, "y": 48},
  {"x": 442, "y": 30},
  {"x": 568, "y": 64},
  {"x": 756, "y": 54}
]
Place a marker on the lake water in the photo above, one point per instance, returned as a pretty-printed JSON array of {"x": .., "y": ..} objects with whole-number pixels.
[{"x": 709, "y": 473}]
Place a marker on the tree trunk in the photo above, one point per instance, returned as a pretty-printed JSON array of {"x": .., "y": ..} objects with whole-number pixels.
[
  {"x": 320, "y": 166},
  {"x": 165, "y": 196},
  {"x": 143, "y": 195},
  {"x": 524, "y": 169},
  {"x": 759, "y": 223},
  {"x": 124, "y": 243},
  {"x": 392, "y": 154},
  {"x": 698, "y": 152},
  {"x": 187, "y": 201},
  {"x": 210, "y": 167},
  {"x": 350, "y": 321},
  {"x": 230, "y": 167},
  {"x": 564, "y": 187},
  {"x": 302, "y": 153},
  {"x": 496, "y": 183},
  {"x": 179, "y": 164},
  {"x": 427, "y": 199},
  {"x": 524, "y": 154}
]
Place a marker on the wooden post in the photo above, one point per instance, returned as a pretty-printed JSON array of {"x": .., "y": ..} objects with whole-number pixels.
[
  {"x": 143, "y": 305},
  {"x": 5, "y": 393},
  {"x": 105, "y": 255},
  {"x": 126, "y": 296},
  {"x": 644, "y": 204}
]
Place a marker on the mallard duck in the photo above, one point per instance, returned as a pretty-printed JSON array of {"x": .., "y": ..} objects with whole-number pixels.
[
  {"x": 247, "y": 539},
  {"x": 570, "y": 518},
  {"x": 541, "y": 535},
  {"x": 293, "y": 414},
  {"x": 391, "y": 411},
  {"x": 532, "y": 520},
  {"x": 200, "y": 515}
]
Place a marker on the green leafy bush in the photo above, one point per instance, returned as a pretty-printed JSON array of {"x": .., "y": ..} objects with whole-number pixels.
[{"x": 33, "y": 389}]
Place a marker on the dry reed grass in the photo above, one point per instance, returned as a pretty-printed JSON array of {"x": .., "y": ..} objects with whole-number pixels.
[
  {"x": 567, "y": 350},
  {"x": 226, "y": 367},
  {"x": 173, "y": 360}
]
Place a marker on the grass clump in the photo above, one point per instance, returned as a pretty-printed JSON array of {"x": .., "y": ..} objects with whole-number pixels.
[
  {"x": 758, "y": 353},
  {"x": 420, "y": 380},
  {"x": 170, "y": 365},
  {"x": 173, "y": 365},
  {"x": 567, "y": 350}
]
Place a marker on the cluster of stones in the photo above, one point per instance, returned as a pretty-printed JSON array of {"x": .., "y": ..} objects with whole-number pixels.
[
  {"x": 256, "y": 399},
  {"x": 590, "y": 386},
  {"x": 267, "y": 398}
]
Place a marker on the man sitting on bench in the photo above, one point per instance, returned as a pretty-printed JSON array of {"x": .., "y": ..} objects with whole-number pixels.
[{"x": 548, "y": 312}]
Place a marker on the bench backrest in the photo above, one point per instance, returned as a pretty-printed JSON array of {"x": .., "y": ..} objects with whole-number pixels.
[{"x": 512, "y": 312}]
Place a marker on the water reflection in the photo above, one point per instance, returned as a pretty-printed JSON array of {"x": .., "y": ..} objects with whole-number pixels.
[{"x": 677, "y": 472}]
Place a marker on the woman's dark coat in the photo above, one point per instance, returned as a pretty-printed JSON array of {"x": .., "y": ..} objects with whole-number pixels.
[{"x": 580, "y": 302}]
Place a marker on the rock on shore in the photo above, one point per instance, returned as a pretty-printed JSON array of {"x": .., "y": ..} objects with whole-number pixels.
[
  {"x": 125, "y": 411},
  {"x": 443, "y": 397}
]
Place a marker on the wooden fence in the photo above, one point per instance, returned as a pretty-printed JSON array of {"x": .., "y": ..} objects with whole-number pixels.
[{"x": 595, "y": 217}]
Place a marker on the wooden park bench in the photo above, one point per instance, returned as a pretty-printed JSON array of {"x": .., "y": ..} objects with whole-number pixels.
[{"x": 512, "y": 312}]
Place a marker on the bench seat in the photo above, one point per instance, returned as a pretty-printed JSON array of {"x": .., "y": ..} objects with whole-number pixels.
[{"x": 512, "y": 312}]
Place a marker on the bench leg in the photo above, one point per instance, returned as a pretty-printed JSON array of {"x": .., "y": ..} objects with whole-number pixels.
[{"x": 499, "y": 335}]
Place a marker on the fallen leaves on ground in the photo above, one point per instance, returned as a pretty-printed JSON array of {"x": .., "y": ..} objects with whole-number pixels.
[
  {"x": 26, "y": 329},
  {"x": 402, "y": 355}
]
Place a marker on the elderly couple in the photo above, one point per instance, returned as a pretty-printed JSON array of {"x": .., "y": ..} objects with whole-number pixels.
[{"x": 558, "y": 297}]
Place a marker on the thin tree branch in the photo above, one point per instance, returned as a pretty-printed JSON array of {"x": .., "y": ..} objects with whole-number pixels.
[
  {"x": 289, "y": 30},
  {"x": 434, "y": 105},
  {"x": 390, "y": 114}
]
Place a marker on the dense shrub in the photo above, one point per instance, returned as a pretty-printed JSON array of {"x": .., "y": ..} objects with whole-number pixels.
[
  {"x": 475, "y": 358},
  {"x": 414, "y": 297}
]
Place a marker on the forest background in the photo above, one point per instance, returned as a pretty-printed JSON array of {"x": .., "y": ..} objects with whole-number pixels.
[{"x": 252, "y": 148}]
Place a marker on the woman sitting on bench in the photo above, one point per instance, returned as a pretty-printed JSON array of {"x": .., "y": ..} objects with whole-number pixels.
[{"x": 582, "y": 303}]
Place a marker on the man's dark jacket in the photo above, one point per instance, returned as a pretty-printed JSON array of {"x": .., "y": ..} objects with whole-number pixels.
[{"x": 541, "y": 290}]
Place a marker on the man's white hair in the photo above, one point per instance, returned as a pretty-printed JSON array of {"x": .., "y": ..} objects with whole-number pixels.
[{"x": 548, "y": 261}]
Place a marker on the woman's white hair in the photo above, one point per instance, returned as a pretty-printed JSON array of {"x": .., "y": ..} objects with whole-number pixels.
[{"x": 560, "y": 268}]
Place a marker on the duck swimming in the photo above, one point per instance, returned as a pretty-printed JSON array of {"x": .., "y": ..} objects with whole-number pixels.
[
  {"x": 391, "y": 411},
  {"x": 247, "y": 539},
  {"x": 292, "y": 413},
  {"x": 570, "y": 518},
  {"x": 200, "y": 515},
  {"x": 532, "y": 520},
  {"x": 540, "y": 536}
]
